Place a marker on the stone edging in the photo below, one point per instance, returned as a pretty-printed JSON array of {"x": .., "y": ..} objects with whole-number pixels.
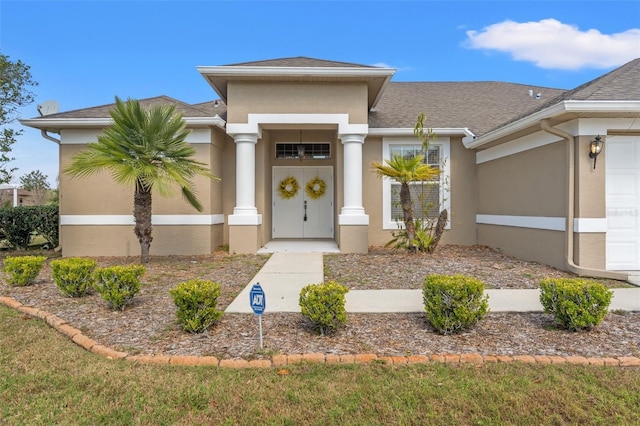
[{"x": 282, "y": 360}]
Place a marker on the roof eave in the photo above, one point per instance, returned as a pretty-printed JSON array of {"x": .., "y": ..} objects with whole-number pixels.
[
  {"x": 553, "y": 111},
  {"x": 403, "y": 131},
  {"x": 56, "y": 124},
  {"x": 218, "y": 76}
]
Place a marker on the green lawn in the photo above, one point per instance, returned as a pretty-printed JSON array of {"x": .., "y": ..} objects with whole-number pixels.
[{"x": 46, "y": 379}]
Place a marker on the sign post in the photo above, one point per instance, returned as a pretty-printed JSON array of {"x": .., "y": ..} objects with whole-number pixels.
[{"x": 258, "y": 304}]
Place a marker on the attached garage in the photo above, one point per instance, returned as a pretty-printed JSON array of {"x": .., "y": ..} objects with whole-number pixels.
[{"x": 623, "y": 202}]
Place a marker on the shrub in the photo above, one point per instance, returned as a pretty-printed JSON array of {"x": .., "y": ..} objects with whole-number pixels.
[
  {"x": 22, "y": 270},
  {"x": 118, "y": 284},
  {"x": 577, "y": 304},
  {"x": 197, "y": 302},
  {"x": 73, "y": 276},
  {"x": 17, "y": 226},
  {"x": 454, "y": 303},
  {"x": 323, "y": 304}
]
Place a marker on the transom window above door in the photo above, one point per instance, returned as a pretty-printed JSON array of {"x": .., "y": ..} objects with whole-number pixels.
[{"x": 306, "y": 151}]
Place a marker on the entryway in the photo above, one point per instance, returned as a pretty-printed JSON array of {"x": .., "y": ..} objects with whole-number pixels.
[
  {"x": 623, "y": 202},
  {"x": 302, "y": 202}
]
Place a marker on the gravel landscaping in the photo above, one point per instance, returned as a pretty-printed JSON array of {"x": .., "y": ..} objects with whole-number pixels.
[{"x": 148, "y": 325}]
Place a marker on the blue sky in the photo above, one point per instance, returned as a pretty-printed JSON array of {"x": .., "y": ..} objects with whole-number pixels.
[{"x": 84, "y": 53}]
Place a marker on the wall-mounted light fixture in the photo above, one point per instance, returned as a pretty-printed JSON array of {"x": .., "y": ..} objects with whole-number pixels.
[{"x": 595, "y": 147}]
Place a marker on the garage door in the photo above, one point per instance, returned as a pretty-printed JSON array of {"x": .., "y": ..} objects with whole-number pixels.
[{"x": 623, "y": 202}]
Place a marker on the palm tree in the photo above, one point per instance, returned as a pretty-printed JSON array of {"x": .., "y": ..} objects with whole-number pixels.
[
  {"x": 145, "y": 148},
  {"x": 405, "y": 170}
]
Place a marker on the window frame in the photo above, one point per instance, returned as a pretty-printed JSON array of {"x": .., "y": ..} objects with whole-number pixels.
[{"x": 444, "y": 143}]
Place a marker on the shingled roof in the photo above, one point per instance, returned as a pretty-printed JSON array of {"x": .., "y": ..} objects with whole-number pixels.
[
  {"x": 480, "y": 106},
  {"x": 300, "y": 62},
  {"x": 102, "y": 111}
]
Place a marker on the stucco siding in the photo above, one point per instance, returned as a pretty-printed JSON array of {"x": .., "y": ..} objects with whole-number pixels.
[
  {"x": 300, "y": 98},
  {"x": 589, "y": 250},
  {"x": 543, "y": 246},
  {"x": 530, "y": 183},
  {"x": 461, "y": 191},
  {"x": 121, "y": 241}
]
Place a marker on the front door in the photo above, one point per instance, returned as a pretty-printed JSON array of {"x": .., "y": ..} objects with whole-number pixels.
[
  {"x": 303, "y": 202},
  {"x": 623, "y": 202}
]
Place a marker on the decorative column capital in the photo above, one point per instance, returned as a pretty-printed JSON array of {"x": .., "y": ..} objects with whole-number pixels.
[
  {"x": 245, "y": 138},
  {"x": 352, "y": 138}
]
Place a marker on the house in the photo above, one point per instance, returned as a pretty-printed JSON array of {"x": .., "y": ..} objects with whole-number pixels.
[
  {"x": 14, "y": 196},
  {"x": 517, "y": 174}
]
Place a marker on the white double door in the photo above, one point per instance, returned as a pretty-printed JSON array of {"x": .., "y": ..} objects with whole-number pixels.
[
  {"x": 303, "y": 215},
  {"x": 623, "y": 202}
]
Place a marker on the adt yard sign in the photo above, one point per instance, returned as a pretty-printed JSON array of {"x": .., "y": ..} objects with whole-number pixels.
[
  {"x": 257, "y": 300},
  {"x": 258, "y": 303}
]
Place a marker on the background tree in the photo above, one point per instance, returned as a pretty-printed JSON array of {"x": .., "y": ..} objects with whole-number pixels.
[
  {"x": 36, "y": 182},
  {"x": 15, "y": 81},
  {"x": 145, "y": 148}
]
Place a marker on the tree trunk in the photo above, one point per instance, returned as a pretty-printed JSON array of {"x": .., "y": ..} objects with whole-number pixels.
[
  {"x": 442, "y": 222},
  {"x": 407, "y": 211},
  {"x": 142, "y": 216}
]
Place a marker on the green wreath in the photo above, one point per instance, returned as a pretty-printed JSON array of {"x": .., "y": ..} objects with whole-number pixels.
[
  {"x": 315, "y": 188},
  {"x": 288, "y": 187}
]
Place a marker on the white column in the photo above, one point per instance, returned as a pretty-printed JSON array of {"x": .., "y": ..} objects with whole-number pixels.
[
  {"x": 245, "y": 211},
  {"x": 352, "y": 212}
]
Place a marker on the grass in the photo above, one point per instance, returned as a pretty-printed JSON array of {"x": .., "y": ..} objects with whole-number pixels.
[{"x": 46, "y": 379}]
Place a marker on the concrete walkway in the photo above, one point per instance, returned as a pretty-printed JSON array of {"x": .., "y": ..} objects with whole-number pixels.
[{"x": 285, "y": 274}]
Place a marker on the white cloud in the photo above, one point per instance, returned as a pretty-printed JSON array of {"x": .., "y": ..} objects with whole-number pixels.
[
  {"x": 553, "y": 45},
  {"x": 381, "y": 65}
]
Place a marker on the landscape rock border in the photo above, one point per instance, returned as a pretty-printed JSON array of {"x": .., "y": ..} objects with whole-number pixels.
[{"x": 91, "y": 345}]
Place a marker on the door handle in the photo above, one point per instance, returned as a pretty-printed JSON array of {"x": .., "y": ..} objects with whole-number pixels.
[{"x": 305, "y": 210}]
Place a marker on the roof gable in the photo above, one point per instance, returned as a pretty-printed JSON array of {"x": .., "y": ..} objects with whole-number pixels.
[
  {"x": 300, "y": 62},
  {"x": 103, "y": 111},
  {"x": 620, "y": 84}
]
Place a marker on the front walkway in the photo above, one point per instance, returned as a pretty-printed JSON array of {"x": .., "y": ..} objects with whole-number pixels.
[{"x": 285, "y": 274}]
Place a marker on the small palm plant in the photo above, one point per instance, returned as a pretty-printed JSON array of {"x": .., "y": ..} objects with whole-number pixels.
[
  {"x": 406, "y": 170},
  {"x": 147, "y": 149}
]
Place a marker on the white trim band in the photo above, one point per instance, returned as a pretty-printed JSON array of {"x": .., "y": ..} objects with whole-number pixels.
[
  {"x": 352, "y": 219},
  {"x": 590, "y": 225},
  {"x": 254, "y": 122},
  {"x": 534, "y": 222},
  {"x": 244, "y": 219},
  {"x": 128, "y": 220}
]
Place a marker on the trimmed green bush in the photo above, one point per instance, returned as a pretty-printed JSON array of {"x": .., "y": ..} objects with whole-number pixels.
[
  {"x": 576, "y": 303},
  {"x": 197, "y": 302},
  {"x": 454, "y": 303},
  {"x": 323, "y": 304},
  {"x": 22, "y": 270},
  {"x": 17, "y": 226},
  {"x": 118, "y": 284},
  {"x": 74, "y": 275}
]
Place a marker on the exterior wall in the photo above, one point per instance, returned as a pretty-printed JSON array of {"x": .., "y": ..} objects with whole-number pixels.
[
  {"x": 589, "y": 250},
  {"x": 246, "y": 238},
  {"x": 530, "y": 183},
  {"x": 590, "y": 202},
  {"x": 245, "y": 98},
  {"x": 461, "y": 192},
  {"x": 543, "y": 246},
  {"x": 353, "y": 239},
  {"x": 99, "y": 199},
  {"x": 529, "y": 186},
  {"x": 372, "y": 191}
]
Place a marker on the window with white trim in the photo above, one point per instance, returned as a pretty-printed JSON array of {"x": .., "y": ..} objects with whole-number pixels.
[{"x": 429, "y": 194}]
